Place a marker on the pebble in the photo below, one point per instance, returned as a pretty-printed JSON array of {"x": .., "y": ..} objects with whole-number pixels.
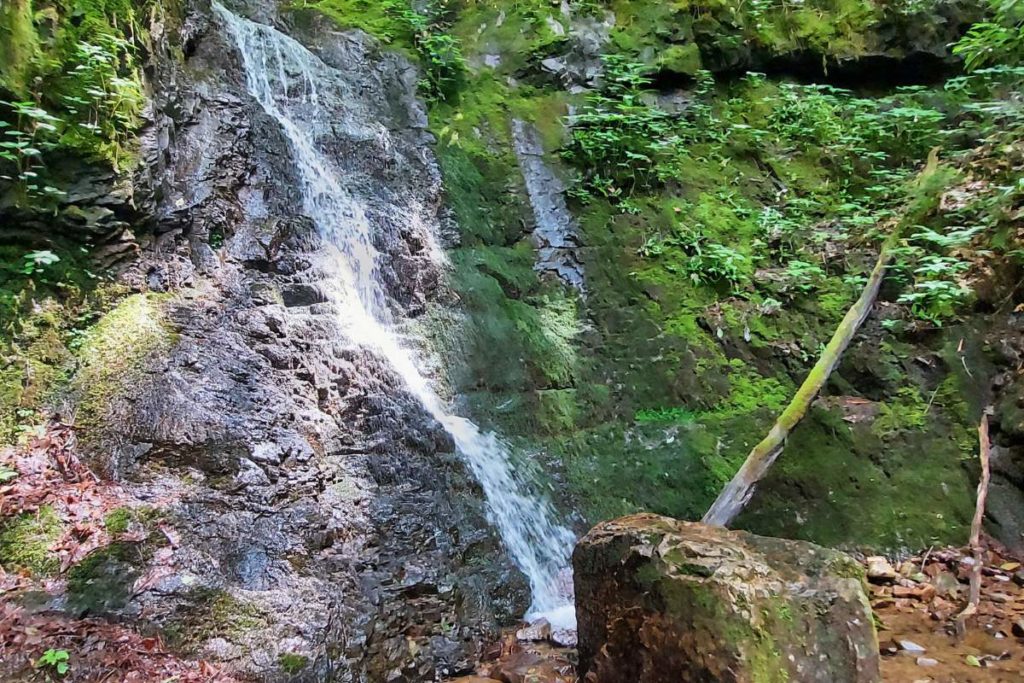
[
  {"x": 910, "y": 646},
  {"x": 927, "y": 661}
]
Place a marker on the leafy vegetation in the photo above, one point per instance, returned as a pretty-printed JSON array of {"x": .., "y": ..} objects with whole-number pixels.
[
  {"x": 729, "y": 221},
  {"x": 999, "y": 41},
  {"x": 627, "y": 148},
  {"x": 76, "y": 89},
  {"x": 618, "y": 138},
  {"x": 55, "y": 662}
]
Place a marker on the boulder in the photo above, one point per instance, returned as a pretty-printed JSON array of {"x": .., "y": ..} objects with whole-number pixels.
[{"x": 661, "y": 600}]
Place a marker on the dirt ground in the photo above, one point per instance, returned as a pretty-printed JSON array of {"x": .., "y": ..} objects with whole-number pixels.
[{"x": 920, "y": 608}]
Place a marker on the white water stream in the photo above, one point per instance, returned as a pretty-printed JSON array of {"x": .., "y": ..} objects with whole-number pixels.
[{"x": 290, "y": 83}]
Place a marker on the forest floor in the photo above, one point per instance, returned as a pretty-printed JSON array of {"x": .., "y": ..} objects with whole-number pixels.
[
  {"x": 917, "y": 611},
  {"x": 54, "y": 514}
]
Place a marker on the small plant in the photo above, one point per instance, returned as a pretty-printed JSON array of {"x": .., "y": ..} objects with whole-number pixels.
[
  {"x": 665, "y": 415},
  {"x": 803, "y": 276},
  {"x": 618, "y": 139},
  {"x": 54, "y": 662},
  {"x": 931, "y": 266},
  {"x": 907, "y": 412},
  {"x": 38, "y": 260},
  {"x": 712, "y": 262}
]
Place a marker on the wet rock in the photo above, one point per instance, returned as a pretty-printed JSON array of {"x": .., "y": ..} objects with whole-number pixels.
[
  {"x": 1018, "y": 628},
  {"x": 539, "y": 630},
  {"x": 302, "y": 294},
  {"x": 320, "y": 509},
  {"x": 564, "y": 637},
  {"x": 556, "y": 234},
  {"x": 659, "y": 599}
]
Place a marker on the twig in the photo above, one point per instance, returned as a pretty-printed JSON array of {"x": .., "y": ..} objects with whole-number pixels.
[
  {"x": 979, "y": 515},
  {"x": 924, "y": 560}
]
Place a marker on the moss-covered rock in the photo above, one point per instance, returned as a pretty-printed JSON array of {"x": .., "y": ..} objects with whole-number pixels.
[
  {"x": 102, "y": 582},
  {"x": 215, "y": 613},
  {"x": 112, "y": 359},
  {"x": 712, "y": 284},
  {"x": 659, "y": 599},
  {"x": 26, "y": 541},
  {"x": 728, "y": 36}
]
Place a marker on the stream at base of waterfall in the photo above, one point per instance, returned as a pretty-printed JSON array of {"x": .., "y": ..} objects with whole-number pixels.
[{"x": 287, "y": 81}]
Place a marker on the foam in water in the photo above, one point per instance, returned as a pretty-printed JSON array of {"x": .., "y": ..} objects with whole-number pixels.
[{"x": 539, "y": 545}]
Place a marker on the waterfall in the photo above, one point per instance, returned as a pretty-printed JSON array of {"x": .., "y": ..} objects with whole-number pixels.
[{"x": 289, "y": 81}]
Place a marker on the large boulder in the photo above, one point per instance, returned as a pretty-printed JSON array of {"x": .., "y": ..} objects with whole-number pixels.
[{"x": 661, "y": 600}]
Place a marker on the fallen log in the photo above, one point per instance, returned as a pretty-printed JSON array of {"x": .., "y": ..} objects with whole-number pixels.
[{"x": 738, "y": 491}]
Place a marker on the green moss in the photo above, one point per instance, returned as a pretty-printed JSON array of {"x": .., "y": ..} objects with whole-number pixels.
[
  {"x": 557, "y": 410},
  {"x": 103, "y": 581},
  {"x": 752, "y": 637},
  {"x": 381, "y": 19},
  {"x": 908, "y": 412},
  {"x": 113, "y": 352},
  {"x": 18, "y": 44},
  {"x": 292, "y": 664},
  {"x": 25, "y": 542},
  {"x": 684, "y": 59},
  {"x": 841, "y": 485},
  {"x": 215, "y": 613},
  {"x": 76, "y": 59},
  {"x": 697, "y": 326},
  {"x": 117, "y": 521},
  {"x": 35, "y": 362}
]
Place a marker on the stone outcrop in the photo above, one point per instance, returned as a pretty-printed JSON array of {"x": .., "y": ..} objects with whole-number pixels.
[
  {"x": 663, "y": 600},
  {"x": 325, "y": 522}
]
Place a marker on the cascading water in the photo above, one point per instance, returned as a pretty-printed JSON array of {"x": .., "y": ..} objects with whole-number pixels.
[{"x": 537, "y": 543}]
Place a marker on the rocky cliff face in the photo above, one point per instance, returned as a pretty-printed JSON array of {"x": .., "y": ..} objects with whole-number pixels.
[{"x": 324, "y": 519}]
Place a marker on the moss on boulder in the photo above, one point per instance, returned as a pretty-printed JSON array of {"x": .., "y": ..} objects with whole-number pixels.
[
  {"x": 658, "y": 599},
  {"x": 113, "y": 357}
]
